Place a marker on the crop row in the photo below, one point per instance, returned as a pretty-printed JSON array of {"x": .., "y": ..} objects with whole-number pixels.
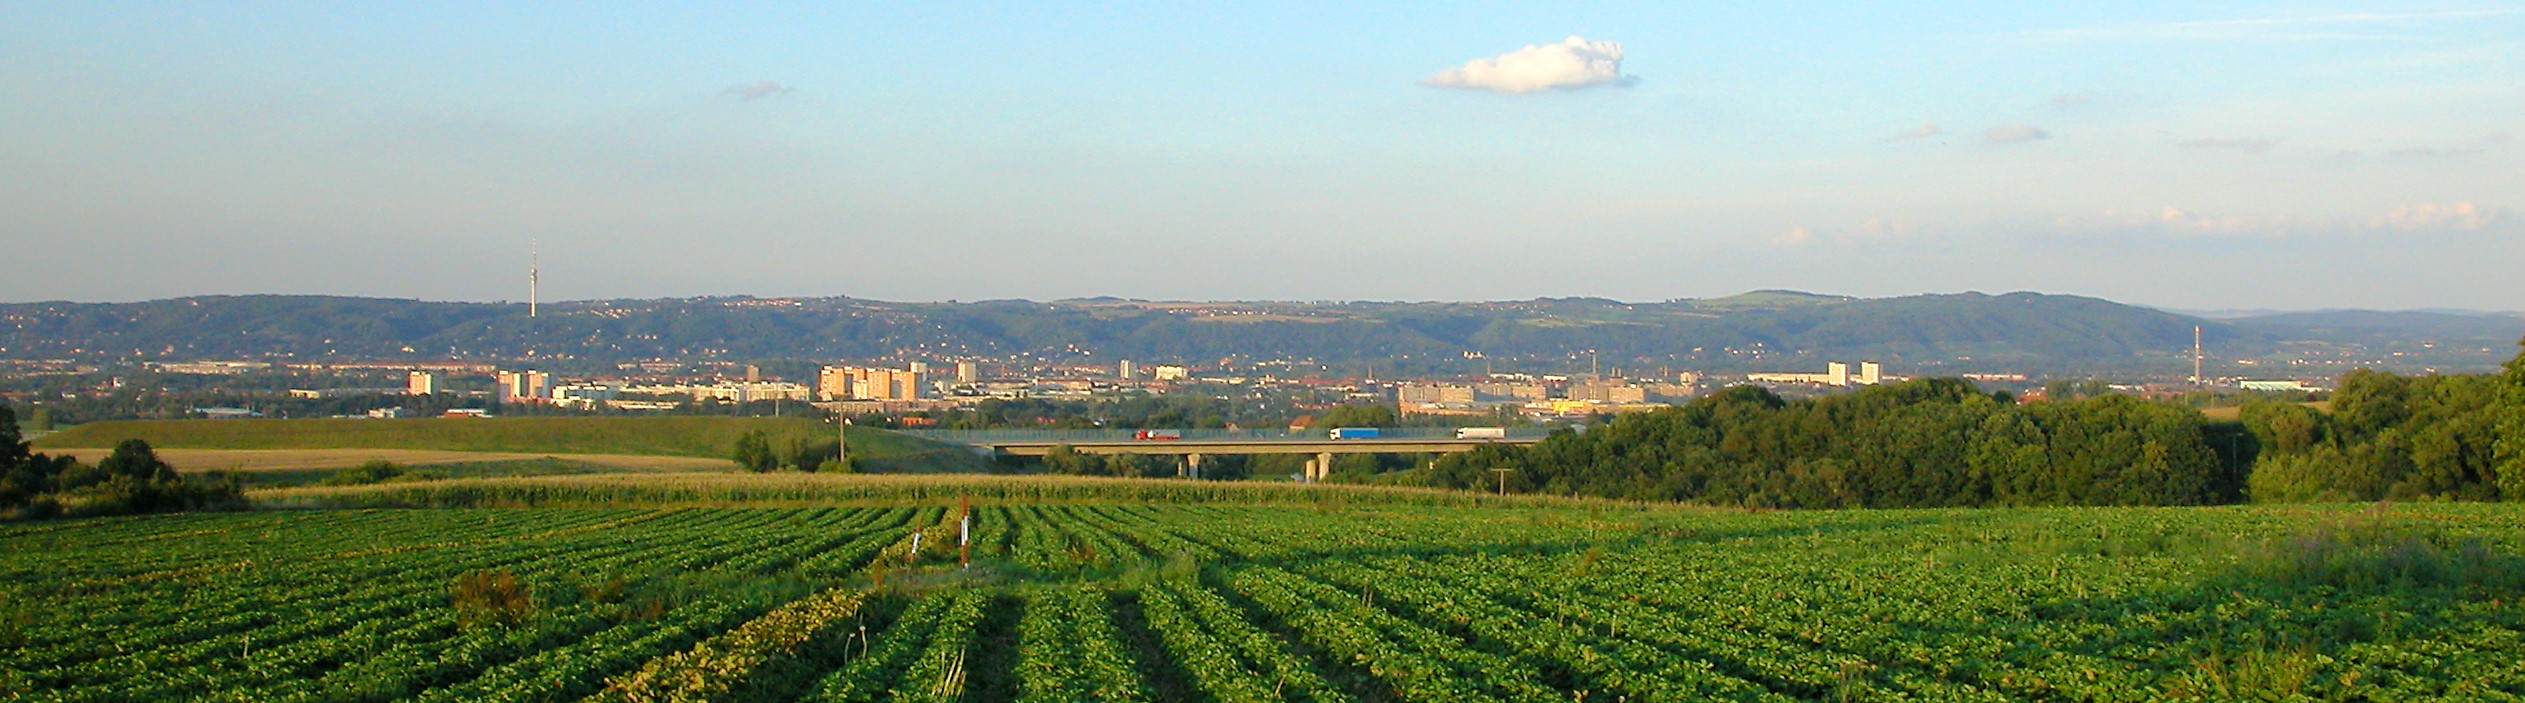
[{"x": 1224, "y": 603}]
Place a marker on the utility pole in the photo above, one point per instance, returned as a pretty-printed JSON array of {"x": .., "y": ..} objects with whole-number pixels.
[
  {"x": 964, "y": 532},
  {"x": 841, "y": 443}
]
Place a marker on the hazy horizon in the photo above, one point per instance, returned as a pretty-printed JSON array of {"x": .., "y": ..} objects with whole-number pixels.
[
  {"x": 2207, "y": 313},
  {"x": 2247, "y": 156}
]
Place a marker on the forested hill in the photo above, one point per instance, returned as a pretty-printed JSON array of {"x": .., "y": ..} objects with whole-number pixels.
[{"x": 1929, "y": 333}]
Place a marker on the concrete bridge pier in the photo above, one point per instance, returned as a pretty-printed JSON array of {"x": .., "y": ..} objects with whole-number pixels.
[
  {"x": 1323, "y": 467},
  {"x": 1192, "y": 466}
]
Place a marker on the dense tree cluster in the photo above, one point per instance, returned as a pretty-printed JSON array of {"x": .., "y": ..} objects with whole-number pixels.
[
  {"x": 1063, "y": 459},
  {"x": 131, "y": 480},
  {"x": 2389, "y": 436},
  {"x": 1932, "y": 442}
]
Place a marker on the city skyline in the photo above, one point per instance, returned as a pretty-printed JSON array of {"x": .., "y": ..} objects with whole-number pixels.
[{"x": 2262, "y": 156}]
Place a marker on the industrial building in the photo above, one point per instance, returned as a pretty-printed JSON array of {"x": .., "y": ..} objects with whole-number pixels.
[{"x": 1835, "y": 374}]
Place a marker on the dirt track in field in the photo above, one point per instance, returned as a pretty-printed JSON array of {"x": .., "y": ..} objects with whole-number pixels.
[{"x": 195, "y": 460}]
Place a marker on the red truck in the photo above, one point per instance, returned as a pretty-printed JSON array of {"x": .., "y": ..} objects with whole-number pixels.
[{"x": 1158, "y": 435}]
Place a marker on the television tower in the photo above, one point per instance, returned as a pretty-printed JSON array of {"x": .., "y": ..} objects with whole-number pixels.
[
  {"x": 2196, "y": 355},
  {"x": 534, "y": 272}
]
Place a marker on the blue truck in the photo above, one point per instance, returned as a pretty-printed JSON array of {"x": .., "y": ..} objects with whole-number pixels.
[{"x": 1354, "y": 433}]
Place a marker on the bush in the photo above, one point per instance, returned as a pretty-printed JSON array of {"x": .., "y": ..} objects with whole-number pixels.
[
  {"x": 375, "y": 471},
  {"x": 754, "y": 452},
  {"x": 2368, "y": 553},
  {"x": 484, "y": 597}
]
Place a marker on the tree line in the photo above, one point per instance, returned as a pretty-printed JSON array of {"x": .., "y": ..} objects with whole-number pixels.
[
  {"x": 1922, "y": 443},
  {"x": 1943, "y": 442}
]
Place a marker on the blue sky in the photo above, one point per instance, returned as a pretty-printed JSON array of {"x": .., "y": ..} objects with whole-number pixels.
[{"x": 2239, "y": 156}]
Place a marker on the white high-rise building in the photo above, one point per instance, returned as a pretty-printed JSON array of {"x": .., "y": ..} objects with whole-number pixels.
[
  {"x": 861, "y": 383},
  {"x": 525, "y": 386},
  {"x": 1836, "y": 373},
  {"x": 968, "y": 372},
  {"x": 1126, "y": 370},
  {"x": 422, "y": 383},
  {"x": 1871, "y": 373}
]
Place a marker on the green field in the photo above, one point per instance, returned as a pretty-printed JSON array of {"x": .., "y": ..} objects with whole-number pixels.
[
  {"x": 1083, "y": 590},
  {"x": 546, "y": 466},
  {"x": 691, "y": 436},
  {"x": 793, "y": 489}
]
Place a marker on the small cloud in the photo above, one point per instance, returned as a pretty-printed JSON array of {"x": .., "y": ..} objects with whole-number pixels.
[
  {"x": 2014, "y": 134},
  {"x": 757, "y": 90},
  {"x": 1921, "y": 132},
  {"x": 2459, "y": 216},
  {"x": 2456, "y": 216},
  {"x": 1874, "y": 230},
  {"x": 2434, "y": 152},
  {"x": 2071, "y": 100},
  {"x": 2455, "y": 149},
  {"x": 1887, "y": 228},
  {"x": 1573, "y": 63},
  {"x": 2249, "y": 146}
]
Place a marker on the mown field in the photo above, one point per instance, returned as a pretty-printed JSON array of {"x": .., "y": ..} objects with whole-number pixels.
[
  {"x": 218, "y": 445},
  {"x": 1358, "y": 596}
]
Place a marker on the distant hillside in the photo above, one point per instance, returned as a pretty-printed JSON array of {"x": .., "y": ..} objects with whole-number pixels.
[
  {"x": 1753, "y": 330},
  {"x": 2404, "y": 324}
]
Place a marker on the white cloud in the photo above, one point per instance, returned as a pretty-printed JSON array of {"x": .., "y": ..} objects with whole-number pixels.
[
  {"x": 2014, "y": 134},
  {"x": 756, "y": 90},
  {"x": 1921, "y": 132},
  {"x": 1573, "y": 63},
  {"x": 2455, "y": 216}
]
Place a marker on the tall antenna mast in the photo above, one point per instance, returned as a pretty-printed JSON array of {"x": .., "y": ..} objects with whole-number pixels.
[
  {"x": 2196, "y": 355},
  {"x": 534, "y": 274}
]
